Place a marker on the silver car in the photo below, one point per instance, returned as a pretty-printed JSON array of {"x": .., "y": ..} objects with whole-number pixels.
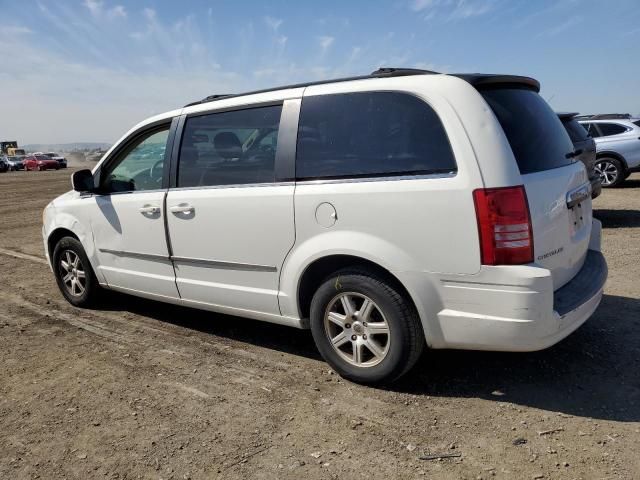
[{"x": 617, "y": 146}]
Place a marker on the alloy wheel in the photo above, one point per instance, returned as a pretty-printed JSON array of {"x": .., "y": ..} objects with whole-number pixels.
[
  {"x": 357, "y": 329},
  {"x": 607, "y": 171},
  {"x": 72, "y": 273}
]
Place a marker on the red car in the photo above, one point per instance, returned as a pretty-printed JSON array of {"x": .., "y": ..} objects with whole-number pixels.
[{"x": 40, "y": 162}]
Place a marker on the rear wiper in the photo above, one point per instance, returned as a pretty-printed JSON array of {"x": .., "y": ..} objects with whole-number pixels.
[{"x": 573, "y": 154}]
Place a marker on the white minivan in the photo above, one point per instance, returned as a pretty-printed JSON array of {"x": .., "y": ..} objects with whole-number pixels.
[{"x": 386, "y": 212}]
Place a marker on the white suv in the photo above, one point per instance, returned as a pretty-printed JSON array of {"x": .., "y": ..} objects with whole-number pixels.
[{"x": 385, "y": 212}]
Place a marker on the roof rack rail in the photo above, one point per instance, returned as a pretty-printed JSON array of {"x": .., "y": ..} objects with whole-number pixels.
[
  {"x": 381, "y": 72},
  {"x": 400, "y": 72},
  {"x": 210, "y": 98},
  {"x": 611, "y": 116},
  {"x": 478, "y": 80}
]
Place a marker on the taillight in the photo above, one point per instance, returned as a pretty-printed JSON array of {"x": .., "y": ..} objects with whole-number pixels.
[{"x": 504, "y": 225}]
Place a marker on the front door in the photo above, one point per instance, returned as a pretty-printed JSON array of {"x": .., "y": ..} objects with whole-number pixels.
[
  {"x": 230, "y": 223},
  {"x": 128, "y": 222}
]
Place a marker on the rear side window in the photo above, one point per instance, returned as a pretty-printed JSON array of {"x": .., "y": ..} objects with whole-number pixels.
[
  {"x": 611, "y": 129},
  {"x": 591, "y": 130},
  {"x": 229, "y": 148},
  {"x": 637, "y": 123},
  {"x": 536, "y": 135},
  {"x": 577, "y": 132},
  {"x": 370, "y": 134}
]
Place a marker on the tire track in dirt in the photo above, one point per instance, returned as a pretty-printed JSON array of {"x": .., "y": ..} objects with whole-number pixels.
[{"x": 23, "y": 256}]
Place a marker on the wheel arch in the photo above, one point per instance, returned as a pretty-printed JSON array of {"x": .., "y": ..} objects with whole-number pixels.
[
  {"x": 321, "y": 268},
  {"x": 611, "y": 154},
  {"x": 55, "y": 236},
  {"x": 61, "y": 224}
]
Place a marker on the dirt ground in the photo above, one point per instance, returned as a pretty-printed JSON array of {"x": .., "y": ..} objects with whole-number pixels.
[{"x": 137, "y": 389}]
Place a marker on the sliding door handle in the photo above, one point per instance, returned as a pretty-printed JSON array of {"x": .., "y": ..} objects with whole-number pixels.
[{"x": 182, "y": 208}]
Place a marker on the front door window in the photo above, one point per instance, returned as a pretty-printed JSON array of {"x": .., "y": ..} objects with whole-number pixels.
[{"x": 140, "y": 166}]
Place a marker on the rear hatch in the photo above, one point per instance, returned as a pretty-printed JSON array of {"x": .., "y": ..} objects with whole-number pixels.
[{"x": 557, "y": 187}]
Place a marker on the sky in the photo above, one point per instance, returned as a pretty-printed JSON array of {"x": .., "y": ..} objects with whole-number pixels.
[{"x": 88, "y": 70}]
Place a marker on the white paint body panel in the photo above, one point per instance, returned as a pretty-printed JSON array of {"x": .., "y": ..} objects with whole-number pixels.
[
  {"x": 422, "y": 230},
  {"x": 247, "y": 225},
  {"x": 121, "y": 230}
]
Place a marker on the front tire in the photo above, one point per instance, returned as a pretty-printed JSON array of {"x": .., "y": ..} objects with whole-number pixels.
[
  {"x": 365, "y": 327},
  {"x": 73, "y": 272},
  {"x": 612, "y": 172}
]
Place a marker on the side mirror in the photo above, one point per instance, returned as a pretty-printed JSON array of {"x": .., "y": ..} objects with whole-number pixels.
[{"x": 82, "y": 180}]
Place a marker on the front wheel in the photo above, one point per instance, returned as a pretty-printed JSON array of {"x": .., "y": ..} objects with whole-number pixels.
[
  {"x": 365, "y": 327},
  {"x": 611, "y": 172},
  {"x": 73, "y": 272}
]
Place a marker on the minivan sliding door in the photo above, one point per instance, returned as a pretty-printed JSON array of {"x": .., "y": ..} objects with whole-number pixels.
[{"x": 230, "y": 211}]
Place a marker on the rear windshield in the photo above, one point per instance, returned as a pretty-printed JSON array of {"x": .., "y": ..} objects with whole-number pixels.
[
  {"x": 577, "y": 133},
  {"x": 536, "y": 135}
]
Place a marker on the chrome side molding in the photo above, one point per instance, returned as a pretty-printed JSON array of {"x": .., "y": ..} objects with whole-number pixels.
[
  {"x": 225, "y": 265},
  {"x": 195, "y": 261}
]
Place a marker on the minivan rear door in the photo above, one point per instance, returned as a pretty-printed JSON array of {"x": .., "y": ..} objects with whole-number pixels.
[{"x": 558, "y": 190}]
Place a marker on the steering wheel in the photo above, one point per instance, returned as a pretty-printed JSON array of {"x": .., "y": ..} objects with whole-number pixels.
[{"x": 154, "y": 171}]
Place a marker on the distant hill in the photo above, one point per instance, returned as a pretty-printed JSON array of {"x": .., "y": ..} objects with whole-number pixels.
[{"x": 65, "y": 147}]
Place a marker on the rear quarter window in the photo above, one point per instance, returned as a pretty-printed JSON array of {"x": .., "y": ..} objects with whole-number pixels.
[
  {"x": 368, "y": 134},
  {"x": 577, "y": 132},
  {"x": 534, "y": 131},
  {"x": 608, "y": 129}
]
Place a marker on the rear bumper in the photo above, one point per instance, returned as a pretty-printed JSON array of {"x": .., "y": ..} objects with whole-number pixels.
[{"x": 516, "y": 309}]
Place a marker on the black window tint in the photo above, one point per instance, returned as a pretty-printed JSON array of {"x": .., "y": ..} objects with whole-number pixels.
[
  {"x": 229, "y": 148},
  {"x": 536, "y": 135},
  {"x": 611, "y": 129},
  {"x": 637, "y": 123},
  {"x": 576, "y": 132},
  {"x": 370, "y": 134}
]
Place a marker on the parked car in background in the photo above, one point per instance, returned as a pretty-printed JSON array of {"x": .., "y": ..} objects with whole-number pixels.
[
  {"x": 15, "y": 162},
  {"x": 617, "y": 147},
  {"x": 62, "y": 161},
  {"x": 585, "y": 149},
  {"x": 387, "y": 212},
  {"x": 39, "y": 161},
  {"x": 94, "y": 156},
  {"x": 4, "y": 165}
]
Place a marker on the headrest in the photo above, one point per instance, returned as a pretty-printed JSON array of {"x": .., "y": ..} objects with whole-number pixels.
[{"x": 227, "y": 144}]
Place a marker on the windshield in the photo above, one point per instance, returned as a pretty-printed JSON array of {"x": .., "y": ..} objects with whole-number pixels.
[
  {"x": 534, "y": 131},
  {"x": 41, "y": 157}
]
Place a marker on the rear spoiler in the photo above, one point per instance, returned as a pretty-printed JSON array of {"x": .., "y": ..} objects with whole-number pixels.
[{"x": 483, "y": 80}]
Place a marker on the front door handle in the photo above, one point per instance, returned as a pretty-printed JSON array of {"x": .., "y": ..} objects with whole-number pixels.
[
  {"x": 182, "y": 208},
  {"x": 150, "y": 209}
]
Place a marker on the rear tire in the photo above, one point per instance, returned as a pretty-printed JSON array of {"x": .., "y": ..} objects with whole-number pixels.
[
  {"x": 365, "y": 327},
  {"x": 73, "y": 272},
  {"x": 612, "y": 172}
]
